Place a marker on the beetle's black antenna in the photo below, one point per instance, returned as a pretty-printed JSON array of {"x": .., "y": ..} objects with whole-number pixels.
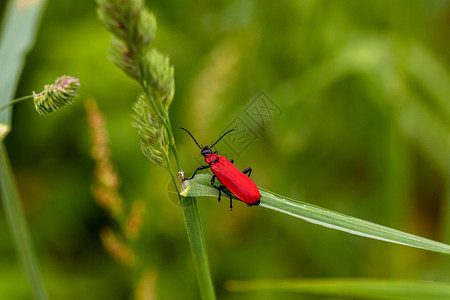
[
  {"x": 222, "y": 137},
  {"x": 191, "y": 136}
]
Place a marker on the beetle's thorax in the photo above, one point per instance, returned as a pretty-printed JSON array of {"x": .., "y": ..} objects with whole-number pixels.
[{"x": 211, "y": 158}]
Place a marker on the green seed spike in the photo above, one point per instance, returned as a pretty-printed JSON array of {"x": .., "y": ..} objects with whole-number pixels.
[
  {"x": 122, "y": 56},
  {"x": 152, "y": 134}
]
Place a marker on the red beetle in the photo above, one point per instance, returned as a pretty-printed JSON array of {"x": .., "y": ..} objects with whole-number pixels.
[{"x": 228, "y": 175}]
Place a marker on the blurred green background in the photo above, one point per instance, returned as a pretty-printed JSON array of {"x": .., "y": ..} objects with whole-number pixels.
[{"x": 364, "y": 88}]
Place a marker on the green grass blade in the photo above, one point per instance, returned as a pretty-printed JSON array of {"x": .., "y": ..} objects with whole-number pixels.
[
  {"x": 366, "y": 288},
  {"x": 17, "y": 35},
  {"x": 198, "y": 247},
  {"x": 445, "y": 223},
  {"x": 17, "y": 226},
  {"x": 200, "y": 186}
]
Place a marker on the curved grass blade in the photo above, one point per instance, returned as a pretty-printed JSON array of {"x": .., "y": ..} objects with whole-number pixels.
[
  {"x": 365, "y": 288},
  {"x": 200, "y": 186},
  {"x": 18, "y": 31},
  {"x": 18, "y": 227}
]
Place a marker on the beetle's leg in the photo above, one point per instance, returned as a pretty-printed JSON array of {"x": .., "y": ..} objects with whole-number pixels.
[
  {"x": 213, "y": 179},
  {"x": 199, "y": 168},
  {"x": 231, "y": 161},
  {"x": 221, "y": 188},
  {"x": 248, "y": 170}
]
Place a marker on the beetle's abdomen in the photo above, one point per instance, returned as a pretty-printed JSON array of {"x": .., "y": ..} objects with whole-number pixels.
[{"x": 237, "y": 182}]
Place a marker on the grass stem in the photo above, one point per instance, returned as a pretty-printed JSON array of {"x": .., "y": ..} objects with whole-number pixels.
[
  {"x": 198, "y": 247},
  {"x": 3, "y": 107}
]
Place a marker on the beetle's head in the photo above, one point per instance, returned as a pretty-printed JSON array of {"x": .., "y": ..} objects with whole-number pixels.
[{"x": 206, "y": 151}]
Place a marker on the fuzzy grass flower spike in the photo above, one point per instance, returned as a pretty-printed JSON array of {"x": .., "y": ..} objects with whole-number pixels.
[{"x": 55, "y": 96}]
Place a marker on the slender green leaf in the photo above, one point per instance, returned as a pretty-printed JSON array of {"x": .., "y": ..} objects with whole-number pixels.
[
  {"x": 198, "y": 246},
  {"x": 367, "y": 288},
  {"x": 17, "y": 35},
  {"x": 200, "y": 186},
  {"x": 18, "y": 227}
]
